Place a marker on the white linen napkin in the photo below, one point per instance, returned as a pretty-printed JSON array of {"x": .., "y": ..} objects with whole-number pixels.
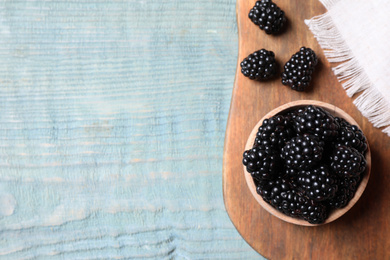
[{"x": 356, "y": 34}]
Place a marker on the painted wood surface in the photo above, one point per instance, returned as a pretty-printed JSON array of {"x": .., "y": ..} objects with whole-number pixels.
[
  {"x": 112, "y": 123},
  {"x": 364, "y": 231}
]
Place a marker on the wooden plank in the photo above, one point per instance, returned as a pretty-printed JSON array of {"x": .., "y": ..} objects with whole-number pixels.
[{"x": 362, "y": 233}]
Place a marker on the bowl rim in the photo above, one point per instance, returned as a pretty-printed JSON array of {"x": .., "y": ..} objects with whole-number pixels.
[{"x": 336, "y": 213}]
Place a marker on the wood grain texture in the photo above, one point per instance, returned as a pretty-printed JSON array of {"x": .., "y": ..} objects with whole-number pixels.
[
  {"x": 363, "y": 232},
  {"x": 112, "y": 119}
]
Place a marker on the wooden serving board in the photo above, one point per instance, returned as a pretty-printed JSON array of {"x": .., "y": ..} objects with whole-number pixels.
[{"x": 363, "y": 232}]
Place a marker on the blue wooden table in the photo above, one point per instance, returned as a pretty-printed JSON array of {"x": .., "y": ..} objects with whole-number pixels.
[{"x": 112, "y": 123}]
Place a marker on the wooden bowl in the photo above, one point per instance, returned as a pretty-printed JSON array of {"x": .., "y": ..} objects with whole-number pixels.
[{"x": 336, "y": 213}]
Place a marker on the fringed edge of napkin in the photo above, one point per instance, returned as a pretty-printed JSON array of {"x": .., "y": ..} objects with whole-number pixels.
[{"x": 350, "y": 74}]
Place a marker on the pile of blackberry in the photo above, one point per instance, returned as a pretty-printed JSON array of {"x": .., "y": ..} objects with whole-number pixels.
[{"x": 306, "y": 162}]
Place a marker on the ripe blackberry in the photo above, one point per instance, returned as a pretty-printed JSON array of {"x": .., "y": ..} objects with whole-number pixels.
[
  {"x": 316, "y": 213},
  {"x": 268, "y": 16},
  {"x": 315, "y": 120},
  {"x": 276, "y": 130},
  {"x": 351, "y": 135},
  {"x": 292, "y": 203},
  {"x": 260, "y": 65},
  {"x": 298, "y": 70},
  {"x": 347, "y": 162},
  {"x": 292, "y": 114},
  {"x": 346, "y": 190},
  {"x": 317, "y": 183},
  {"x": 302, "y": 152},
  {"x": 271, "y": 190},
  {"x": 261, "y": 163}
]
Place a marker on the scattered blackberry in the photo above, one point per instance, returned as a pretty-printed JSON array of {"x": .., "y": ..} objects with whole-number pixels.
[
  {"x": 346, "y": 190},
  {"x": 315, "y": 120},
  {"x": 277, "y": 130},
  {"x": 261, "y": 163},
  {"x": 347, "y": 162},
  {"x": 298, "y": 70},
  {"x": 317, "y": 183},
  {"x": 351, "y": 135},
  {"x": 260, "y": 65},
  {"x": 302, "y": 152},
  {"x": 268, "y": 16}
]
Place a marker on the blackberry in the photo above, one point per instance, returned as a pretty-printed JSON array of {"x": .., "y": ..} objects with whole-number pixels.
[
  {"x": 292, "y": 114},
  {"x": 346, "y": 191},
  {"x": 261, "y": 163},
  {"x": 302, "y": 152},
  {"x": 298, "y": 70},
  {"x": 316, "y": 213},
  {"x": 268, "y": 16},
  {"x": 347, "y": 162},
  {"x": 276, "y": 130},
  {"x": 271, "y": 191},
  {"x": 351, "y": 135},
  {"x": 317, "y": 183},
  {"x": 315, "y": 120},
  {"x": 292, "y": 203},
  {"x": 260, "y": 65}
]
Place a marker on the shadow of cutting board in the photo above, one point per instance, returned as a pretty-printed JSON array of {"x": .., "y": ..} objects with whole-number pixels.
[{"x": 362, "y": 233}]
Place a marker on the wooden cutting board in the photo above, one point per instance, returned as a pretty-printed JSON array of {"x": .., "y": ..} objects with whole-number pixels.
[{"x": 362, "y": 233}]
